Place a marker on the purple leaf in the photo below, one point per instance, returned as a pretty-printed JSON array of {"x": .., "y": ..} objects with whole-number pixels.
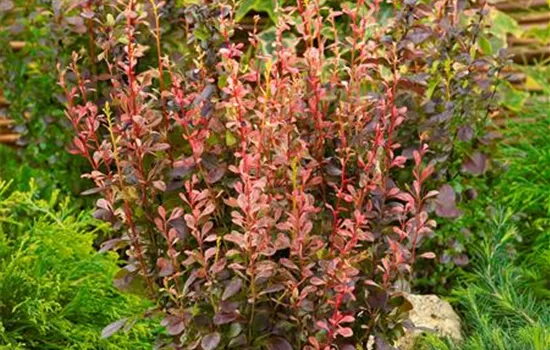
[
  {"x": 419, "y": 35},
  {"x": 6, "y": 5},
  {"x": 471, "y": 194},
  {"x": 205, "y": 94},
  {"x": 113, "y": 328},
  {"x": 278, "y": 344},
  {"x": 115, "y": 243},
  {"x": 181, "y": 228},
  {"x": 378, "y": 298},
  {"x": 102, "y": 214},
  {"x": 90, "y": 191},
  {"x": 272, "y": 289},
  {"x": 445, "y": 206},
  {"x": 75, "y": 20},
  {"x": 232, "y": 288},
  {"x": 211, "y": 341},
  {"x": 174, "y": 325},
  {"x": 465, "y": 133},
  {"x": 333, "y": 168},
  {"x": 381, "y": 343},
  {"x": 182, "y": 168},
  {"x": 441, "y": 117},
  {"x": 88, "y": 14},
  {"x": 461, "y": 260},
  {"x": 348, "y": 347},
  {"x": 216, "y": 174},
  {"x": 224, "y": 318},
  {"x": 475, "y": 164},
  {"x": 240, "y": 340}
]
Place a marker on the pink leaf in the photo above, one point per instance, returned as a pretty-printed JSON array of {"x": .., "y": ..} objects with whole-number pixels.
[{"x": 345, "y": 332}]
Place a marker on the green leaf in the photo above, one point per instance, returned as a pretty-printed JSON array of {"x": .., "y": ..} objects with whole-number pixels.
[
  {"x": 434, "y": 83},
  {"x": 230, "y": 139},
  {"x": 201, "y": 33},
  {"x": 213, "y": 140},
  {"x": 514, "y": 99},
  {"x": 190, "y": 2},
  {"x": 502, "y": 24},
  {"x": 110, "y": 20},
  {"x": 267, "y": 38},
  {"x": 246, "y": 6},
  {"x": 485, "y": 45},
  {"x": 542, "y": 34}
]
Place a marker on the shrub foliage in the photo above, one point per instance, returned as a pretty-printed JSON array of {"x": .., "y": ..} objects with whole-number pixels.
[{"x": 280, "y": 199}]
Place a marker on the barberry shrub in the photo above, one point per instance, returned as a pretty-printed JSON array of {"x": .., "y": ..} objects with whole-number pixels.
[{"x": 260, "y": 199}]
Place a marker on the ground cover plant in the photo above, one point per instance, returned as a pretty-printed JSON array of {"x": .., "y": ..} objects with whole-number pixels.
[
  {"x": 56, "y": 291},
  {"x": 280, "y": 199}
]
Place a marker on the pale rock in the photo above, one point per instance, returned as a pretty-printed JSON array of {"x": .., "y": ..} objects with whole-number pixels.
[{"x": 430, "y": 314}]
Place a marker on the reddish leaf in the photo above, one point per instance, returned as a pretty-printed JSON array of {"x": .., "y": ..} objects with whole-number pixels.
[
  {"x": 317, "y": 281},
  {"x": 159, "y": 147},
  {"x": 345, "y": 332}
]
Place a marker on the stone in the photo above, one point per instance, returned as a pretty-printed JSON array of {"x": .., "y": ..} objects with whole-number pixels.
[{"x": 430, "y": 314}]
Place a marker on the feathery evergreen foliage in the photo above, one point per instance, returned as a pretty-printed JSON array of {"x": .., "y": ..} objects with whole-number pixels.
[
  {"x": 56, "y": 291},
  {"x": 500, "y": 310}
]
